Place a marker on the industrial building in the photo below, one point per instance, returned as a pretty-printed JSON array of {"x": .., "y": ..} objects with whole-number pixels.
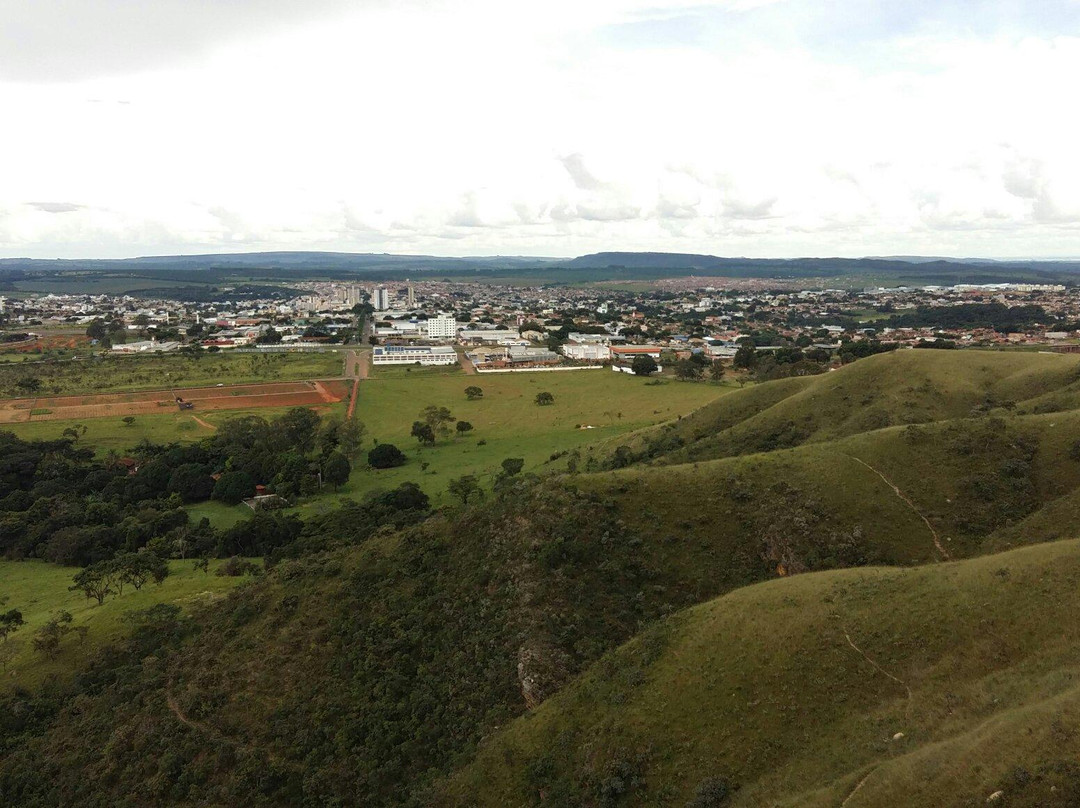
[{"x": 414, "y": 355}]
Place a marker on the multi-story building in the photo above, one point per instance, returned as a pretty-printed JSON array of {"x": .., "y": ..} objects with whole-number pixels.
[
  {"x": 442, "y": 327},
  {"x": 380, "y": 299}
]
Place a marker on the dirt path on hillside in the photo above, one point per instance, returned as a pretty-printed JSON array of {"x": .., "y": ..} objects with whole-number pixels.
[
  {"x": 877, "y": 667},
  {"x": 202, "y": 727},
  {"x": 858, "y": 785},
  {"x": 937, "y": 539},
  {"x": 201, "y": 422},
  {"x": 212, "y": 732}
]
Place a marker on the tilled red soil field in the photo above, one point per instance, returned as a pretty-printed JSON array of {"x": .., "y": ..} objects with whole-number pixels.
[{"x": 146, "y": 402}]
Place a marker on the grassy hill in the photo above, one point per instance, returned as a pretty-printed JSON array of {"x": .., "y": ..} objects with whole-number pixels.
[
  {"x": 638, "y": 628},
  {"x": 935, "y": 687},
  {"x": 40, "y": 591},
  {"x": 898, "y": 388}
]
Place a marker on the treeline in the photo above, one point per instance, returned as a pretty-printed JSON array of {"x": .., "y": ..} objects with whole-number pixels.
[
  {"x": 792, "y": 360},
  {"x": 59, "y": 503},
  {"x": 974, "y": 315}
]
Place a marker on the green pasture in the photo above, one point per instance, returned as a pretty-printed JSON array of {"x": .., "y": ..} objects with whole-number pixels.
[
  {"x": 507, "y": 420},
  {"x": 40, "y": 590}
]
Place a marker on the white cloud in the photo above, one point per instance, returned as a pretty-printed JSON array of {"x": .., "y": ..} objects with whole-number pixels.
[{"x": 485, "y": 127}]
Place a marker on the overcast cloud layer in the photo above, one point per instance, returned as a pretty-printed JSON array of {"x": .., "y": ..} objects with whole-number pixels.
[{"x": 746, "y": 127}]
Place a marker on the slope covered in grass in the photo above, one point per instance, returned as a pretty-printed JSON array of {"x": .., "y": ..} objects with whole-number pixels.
[
  {"x": 470, "y": 658},
  {"x": 897, "y": 388},
  {"x": 40, "y": 591},
  {"x": 931, "y": 687}
]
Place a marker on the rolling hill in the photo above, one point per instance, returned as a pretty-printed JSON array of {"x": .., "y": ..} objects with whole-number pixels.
[
  {"x": 934, "y": 687},
  {"x": 811, "y": 591}
]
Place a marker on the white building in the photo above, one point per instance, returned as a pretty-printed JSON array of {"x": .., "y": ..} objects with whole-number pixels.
[
  {"x": 380, "y": 299},
  {"x": 414, "y": 354},
  {"x": 147, "y": 346},
  {"x": 586, "y": 352},
  {"x": 442, "y": 327},
  {"x": 497, "y": 335}
]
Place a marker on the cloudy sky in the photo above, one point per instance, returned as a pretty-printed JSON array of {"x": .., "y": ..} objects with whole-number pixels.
[{"x": 469, "y": 127}]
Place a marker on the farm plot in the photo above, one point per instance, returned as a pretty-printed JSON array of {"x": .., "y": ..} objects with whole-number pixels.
[{"x": 146, "y": 402}]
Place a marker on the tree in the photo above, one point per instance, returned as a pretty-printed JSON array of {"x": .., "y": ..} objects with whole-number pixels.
[
  {"x": 97, "y": 329},
  {"x": 97, "y": 581},
  {"x": 385, "y": 456},
  {"x": 233, "y": 487},
  {"x": 74, "y": 432},
  {"x": 513, "y": 465},
  {"x": 47, "y": 638},
  {"x": 423, "y": 433},
  {"x": 138, "y": 568},
  {"x": 297, "y": 429},
  {"x": 544, "y": 399},
  {"x": 336, "y": 470},
  {"x": 271, "y": 336},
  {"x": 687, "y": 370},
  {"x": 191, "y": 482},
  {"x": 350, "y": 436},
  {"x": 28, "y": 384},
  {"x": 472, "y": 392},
  {"x": 462, "y": 427},
  {"x": 10, "y": 622},
  {"x": 438, "y": 418},
  {"x": 465, "y": 488},
  {"x": 716, "y": 370},
  {"x": 643, "y": 365},
  {"x": 746, "y": 357}
]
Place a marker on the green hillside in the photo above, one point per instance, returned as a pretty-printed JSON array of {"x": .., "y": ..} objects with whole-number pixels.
[
  {"x": 695, "y": 610},
  {"x": 897, "y": 388},
  {"x": 934, "y": 687}
]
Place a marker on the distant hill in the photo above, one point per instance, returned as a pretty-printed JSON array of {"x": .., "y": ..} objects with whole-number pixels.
[{"x": 586, "y": 268}]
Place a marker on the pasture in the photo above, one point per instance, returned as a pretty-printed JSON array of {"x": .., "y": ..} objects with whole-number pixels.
[
  {"x": 589, "y": 406},
  {"x": 40, "y": 590}
]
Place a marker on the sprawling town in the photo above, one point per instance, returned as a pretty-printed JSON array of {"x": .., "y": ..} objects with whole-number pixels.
[{"x": 505, "y": 328}]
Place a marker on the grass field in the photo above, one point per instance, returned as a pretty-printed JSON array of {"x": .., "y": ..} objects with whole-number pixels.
[
  {"x": 112, "y": 434},
  {"x": 40, "y": 590},
  {"x": 507, "y": 420},
  {"x": 127, "y": 373}
]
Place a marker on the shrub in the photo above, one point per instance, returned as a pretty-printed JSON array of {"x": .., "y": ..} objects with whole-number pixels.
[{"x": 385, "y": 456}]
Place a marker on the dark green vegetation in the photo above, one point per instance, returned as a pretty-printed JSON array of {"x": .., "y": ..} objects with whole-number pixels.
[
  {"x": 202, "y": 277},
  {"x": 61, "y": 504},
  {"x": 724, "y": 610}
]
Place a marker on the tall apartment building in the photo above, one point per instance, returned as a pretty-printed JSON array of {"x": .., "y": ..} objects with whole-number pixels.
[
  {"x": 380, "y": 299},
  {"x": 353, "y": 296},
  {"x": 442, "y": 327},
  {"x": 412, "y": 296}
]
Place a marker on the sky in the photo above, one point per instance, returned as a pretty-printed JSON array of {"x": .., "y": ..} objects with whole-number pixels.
[{"x": 485, "y": 127}]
